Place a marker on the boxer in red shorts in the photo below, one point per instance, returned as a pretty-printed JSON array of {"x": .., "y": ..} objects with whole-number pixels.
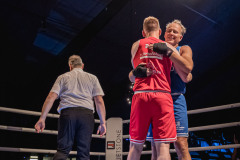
[{"x": 152, "y": 101}]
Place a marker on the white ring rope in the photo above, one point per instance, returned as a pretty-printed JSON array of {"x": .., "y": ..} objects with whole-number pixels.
[
  {"x": 195, "y": 149},
  {"x": 31, "y": 130},
  {"x": 192, "y": 149},
  {"x": 33, "y": 113},
  {"x": 228, "y": 106},
  {"x": 21, "y": 129},
  {"x": 203, "y": 110},
  {"x": 10, "y": 149},
  {"x": 217, "y": 126},
  {"x": 213, "y": 147},
  {"x": 201, "y": 128},
  {"x": 210, "y": 109}
]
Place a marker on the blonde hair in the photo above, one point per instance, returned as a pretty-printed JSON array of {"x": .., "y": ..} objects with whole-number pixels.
[
  {"x": 75, "y": 61},
  {"x": 180, "y": 24},
  {"x": 151, "y": 24}
]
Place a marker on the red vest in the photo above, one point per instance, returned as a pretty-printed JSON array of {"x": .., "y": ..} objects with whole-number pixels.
[{"x": 161, "y": 66}]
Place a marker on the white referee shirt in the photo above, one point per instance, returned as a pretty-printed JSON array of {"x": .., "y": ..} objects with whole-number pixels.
[{"x": 77, "y": 89}]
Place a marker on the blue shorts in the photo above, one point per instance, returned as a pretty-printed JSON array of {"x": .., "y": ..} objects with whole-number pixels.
[{"x": 181, "y": 118}]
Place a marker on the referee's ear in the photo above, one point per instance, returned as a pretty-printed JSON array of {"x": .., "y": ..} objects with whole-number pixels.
[
  {"x": 70, "y": 67},
  {"x": 82, "y": 65}
]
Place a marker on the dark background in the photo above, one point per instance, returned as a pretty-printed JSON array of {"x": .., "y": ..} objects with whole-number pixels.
[{"x": 37, "y": 37}]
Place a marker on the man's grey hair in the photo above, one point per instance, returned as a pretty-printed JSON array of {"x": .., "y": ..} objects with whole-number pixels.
[
  {"x": 75, "y": 61},
  {"x": 180, "y": 24}
]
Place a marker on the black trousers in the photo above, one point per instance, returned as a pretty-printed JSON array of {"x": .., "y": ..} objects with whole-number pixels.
[{"x": 78, "y": 123}]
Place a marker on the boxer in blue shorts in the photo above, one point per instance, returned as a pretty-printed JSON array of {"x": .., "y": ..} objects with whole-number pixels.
[
  {"x": 180, "y": 113},
  {"x": 181, "y": 119},
  {"x": 173, "y": 35},
  {"x": 184, "y": 65}
]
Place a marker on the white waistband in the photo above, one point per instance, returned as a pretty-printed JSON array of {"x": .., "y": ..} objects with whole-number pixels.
[
  {"x": 144, "y": 91},
  {"x": 176, "y": 94}
]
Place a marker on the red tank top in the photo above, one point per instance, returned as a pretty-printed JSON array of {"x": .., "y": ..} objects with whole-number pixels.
[{"x": 161, "y": 66}]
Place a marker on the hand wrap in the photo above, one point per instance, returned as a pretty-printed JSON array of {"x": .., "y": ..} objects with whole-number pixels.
[
  {"x": 162, "y": 48},
  {"x": 140, "y": 71}
]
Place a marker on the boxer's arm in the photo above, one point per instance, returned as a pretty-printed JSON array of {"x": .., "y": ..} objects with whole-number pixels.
[
  {"x": 140, "y": 71},
  {"x": 162, "y": 48},
  {"x": 183, "y": 75},
  {"x": 134, "y": 48},
  {"x": 183, "y": 61},
  {"x": 131, "y": 76},
  {"x": 133, "y": 53}
]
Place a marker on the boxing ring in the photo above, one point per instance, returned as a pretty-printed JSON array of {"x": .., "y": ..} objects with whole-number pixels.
[{"x": 114, "y": 136}]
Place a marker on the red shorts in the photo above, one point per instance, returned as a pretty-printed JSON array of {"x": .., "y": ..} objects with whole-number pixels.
[{"x": 155, "y": 108}]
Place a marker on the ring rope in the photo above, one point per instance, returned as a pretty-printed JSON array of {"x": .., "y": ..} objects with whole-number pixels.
[
  {"x": 124, "y": 121},
  {"x": 228, "y": 106},
  {"x": 33, "y": 113},
  {"x": 209, "y": 127},
  {"x": 31, "y": 130},
  {"x": 10, "y": 149},
  {"x": 203, "y": 110},
  {"x": 192, "y": 149},
  {"x": 195, "y": 149},
  {"x": 200, "y": 128},
  {"x": 210, "y": 109},
  {"x": 215, "y": 126}
]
